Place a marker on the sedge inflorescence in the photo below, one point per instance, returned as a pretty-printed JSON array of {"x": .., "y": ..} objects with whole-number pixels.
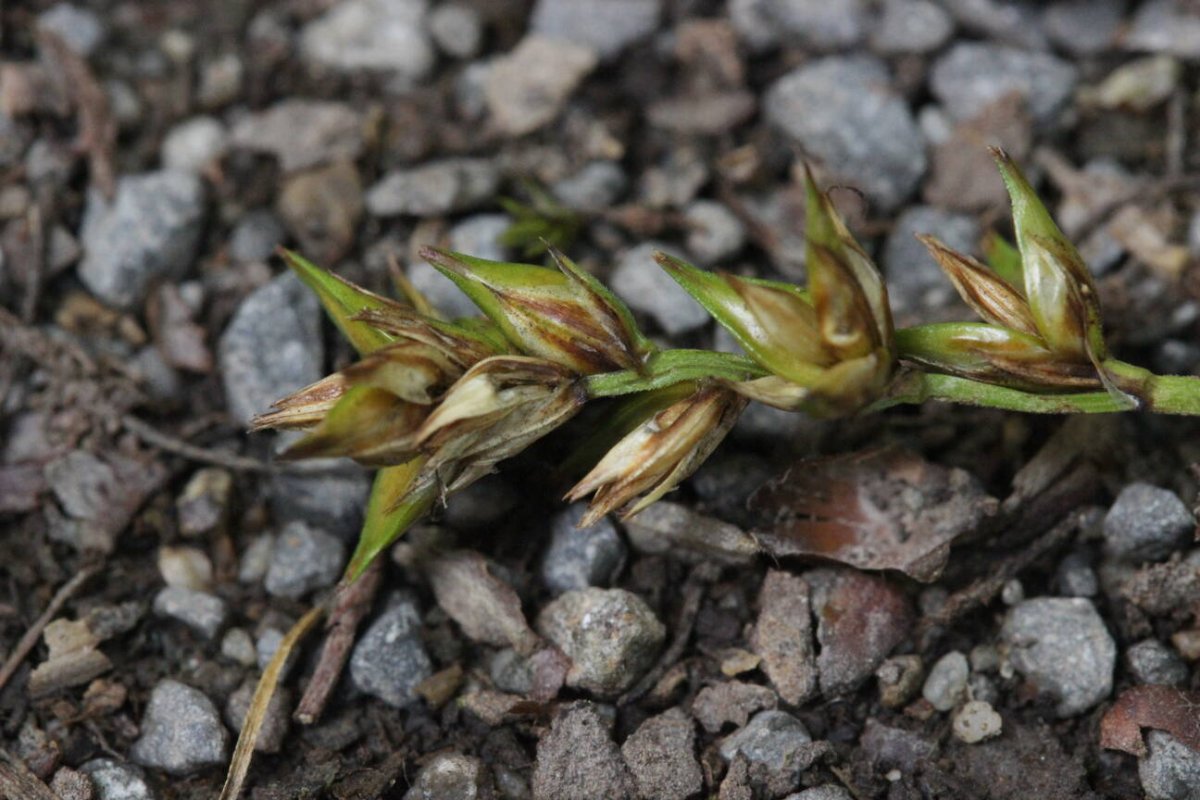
[{"x": 437, "y": 404}]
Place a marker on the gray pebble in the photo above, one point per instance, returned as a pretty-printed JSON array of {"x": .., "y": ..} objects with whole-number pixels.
[
  {"x": 302, "y": 134},
  {"x": 377, "y": 35},
  {"x": 1084, "y": 27},
  {"x": 577, "y": 558},
  {"x": 451, "y": 776},
  {"x": 271, "y": 347},
  {"x": 482, "y": 503},
  {"x": 946, "y": 685},
  {"x": 819, "y": 24},
  {"x": 194, "y": 144},
  {"x": 304, "y": 559},
  {"x": 605, "y": 26},
  {"x": 390, "y": 660},
  {"x": 438, "y": 187},
  {"x": 1150, "y": 661},
  {"x": 255, "y": 236},
  {"x": 275, "y": 722},
  {"x": 911, "y": 26},
  {"x": 827, "y": 792},
  {"x": 238, "y": 646},
  {"x": 1012, "y": 22},
  {"x": 1062, "y": 646},
  {"x": 610, "y": 635},
  {"x": 981, "y": 687},
  {"x": 457, "y": 29},
  {"x": 577, "y": 758},
  {"x": 253, "y": 565},
  {"x": 915, "y": 282},
  {"x": 148, "y": 231},
  {"x": 528, "y": 87},
  {"x": 1164, "y": 26},
  {"x": 79, "y": 28},
  {"x": 770, "y": 738},
  {"x": 715, "y": 233},
  {"x": 972, "y": 76},
  {"x": 600, "y": 184},
  {"x": 481, "y": 235},
  {"x": 843, "y": 112},
  {"x": 510, "y": 671},
  {"x": 641, "y": 283},
  {"x": 1013, "y": 592},
  {"x": 267, "y": 644},
  {"x": 114, "y": 780},
  {"x": 1076, "y": 578},
  {"x": 221, "y": 80},
  {"x": 660, "y": 755},
  {"x": 677, "y": 530},
  {"x": 332, "y": 499},
  {"x": 158, "y": 378},
  {"x": 1171, "y": 771},
  {"x": 181, "y": 731},
  {"x": 202, "y": 612},
  {"x": 1146, "y": 523}
]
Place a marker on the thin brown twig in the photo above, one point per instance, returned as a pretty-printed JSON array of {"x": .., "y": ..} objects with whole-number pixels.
[
  {"x": 31, "y": 636},
  {"x": 350, "y": 604},
  {"x": 163, "y": 441}
]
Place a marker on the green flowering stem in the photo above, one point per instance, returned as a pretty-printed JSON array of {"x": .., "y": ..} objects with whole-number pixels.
[
  {"x": 1165, "y": 394},
  {"x": 670, "y": 367}
]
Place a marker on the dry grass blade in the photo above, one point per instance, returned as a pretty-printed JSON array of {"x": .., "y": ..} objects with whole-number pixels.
[{"x": 263, "y": 692}]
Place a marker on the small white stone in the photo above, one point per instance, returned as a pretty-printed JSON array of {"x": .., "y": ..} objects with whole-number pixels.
[
  {"x": 976, "y": 721},
  {"x": 185, "y": 567}
]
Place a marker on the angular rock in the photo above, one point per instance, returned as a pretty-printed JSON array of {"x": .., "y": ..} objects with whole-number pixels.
[
  {"x": 660, "y": 755},
  {"x": 202, "y": 612},
  {"x": 271, "y": 347},
  {"x": 730, "y": 702},
  {"x": 255, "y": 236},
  {"x": 1075, "y": 577},
  {"x": 451, "y": 776},
  {"x": 852, "y": 642},
  {"x": 640, "y": 282},
  {"x": 376, "y": 35},
  {"x": 783, "y": 636},
  {"x": 605, "y": 26},
  {"x": 147, "y": 232},
  {"x": 389, "y": 660},
  {"x": 843, "y": 112},
  {"x": 304, "y": 558},
  {"x": 1171, "y": 771},
  {"x": 331, "y": 499},
  {"x": 577, "y": 558},
  {"x": 114, "y": 780},
  {"x": 894, "y": 748},
  {"x": 181, "y": 731},
  {"x": 302, "y": 133},
  {"x": 438, "y": 187},
  {"x": 1147, "y": 523},
  {"x": 675, "y": 529},
  {"x": 1062, "y": 646},
  {"x": 1084, "y": 27},
  {"x": 577, "y": 758},
  {"x": 971, "y": 76},
  {"x": 485, "y": 607},
  {"x": 820, "y": 25},
  {"x": 527, "y": 88},
  {"x": 610, "y": 635},
  {"x": 775, "y": 740}
]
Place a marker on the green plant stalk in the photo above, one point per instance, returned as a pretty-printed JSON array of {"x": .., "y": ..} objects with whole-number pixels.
[
  {"x": 670, "y": 367},
  {"x": 1164, "y": 394}
]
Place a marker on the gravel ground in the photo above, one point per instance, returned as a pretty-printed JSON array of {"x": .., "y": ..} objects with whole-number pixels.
[{"x": 1042, "y": 576}]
